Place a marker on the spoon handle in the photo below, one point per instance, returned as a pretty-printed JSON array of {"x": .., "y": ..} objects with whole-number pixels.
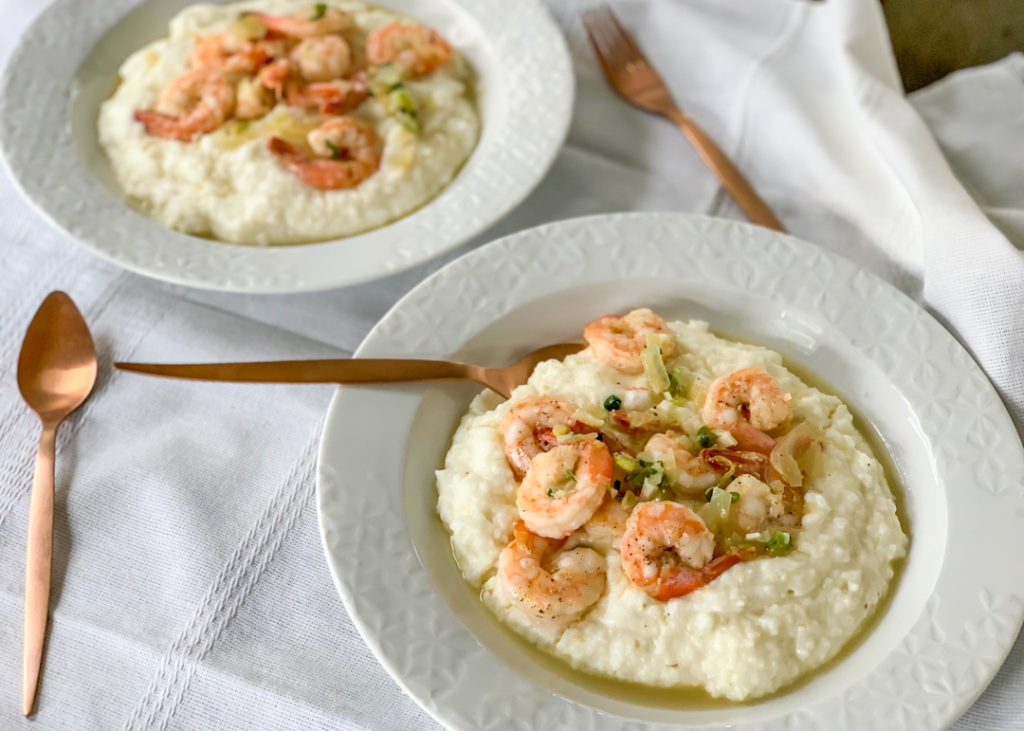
[{"x": 37, "y": 565}]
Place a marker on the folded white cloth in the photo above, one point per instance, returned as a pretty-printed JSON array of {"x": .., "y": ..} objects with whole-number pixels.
[{"x": 190, "y": 586}]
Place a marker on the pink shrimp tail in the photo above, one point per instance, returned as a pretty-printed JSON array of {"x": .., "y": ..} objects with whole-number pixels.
[
  {"x": 287, "y": 155},
  {"x": 684, "y": 579},
  {"x": 163, "y": 125},
  {"x": 751, "y": 439}
]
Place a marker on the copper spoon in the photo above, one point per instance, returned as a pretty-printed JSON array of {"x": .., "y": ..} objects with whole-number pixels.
[
  {"x": 359, "y": 370},
  {"x": 56, "y": 373}
]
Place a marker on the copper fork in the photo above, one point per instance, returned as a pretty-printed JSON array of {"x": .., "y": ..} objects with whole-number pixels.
[{"x": 636, "y": 81}]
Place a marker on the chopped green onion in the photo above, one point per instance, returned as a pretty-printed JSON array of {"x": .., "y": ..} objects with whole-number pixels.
[
  {"x": 394, "y": 95},
  {"x": 385, "y": 77},
  {"x": 637, "y": 471},
  {"x": 625, "y": 462},
  {"x": 401, "y": 105},
  {"x": 708, "y": 493},
  {"x": 679, "y": 383},
  {"x": 570, "y": 438},
  {"x": 727, "y": 477},
  {"x": 551, "y": 492},
  {"x": 654, "y": 366},
  {"x": 780, "y": 542},
  {"x": 662, "y": 494},
  {"x": 706, "y": 437},
  {"x": 639, "y": 476},
  {"x": 319, "y": 10},
  {"x": 571, "y": 475},
  {"x": 612, "y": 403},
  {"x": 629, "y": 501},
  {"x": 734, "y": 496},
  {"x": 559, "y": 430},
  {"x": 335, "y": 150}
]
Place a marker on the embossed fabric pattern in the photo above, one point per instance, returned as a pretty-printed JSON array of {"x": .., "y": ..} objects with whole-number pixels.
[{"x": 190, "y": 589}]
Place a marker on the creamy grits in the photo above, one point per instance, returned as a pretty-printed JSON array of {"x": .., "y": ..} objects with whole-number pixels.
[
  {"x": 812, "y": 567},
  {"x": 226, "y": 184}
]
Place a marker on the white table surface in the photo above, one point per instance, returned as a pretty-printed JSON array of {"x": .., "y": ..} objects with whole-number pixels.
[{"x": 190, "y": 589}]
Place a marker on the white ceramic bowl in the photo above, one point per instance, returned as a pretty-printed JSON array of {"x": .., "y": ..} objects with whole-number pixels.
[
  {"x": 66, "y": 65},
  {"x": 955, "y": 611}
]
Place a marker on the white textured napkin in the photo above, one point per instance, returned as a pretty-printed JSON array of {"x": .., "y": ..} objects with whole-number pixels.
[{"x": 190, "y": 589}]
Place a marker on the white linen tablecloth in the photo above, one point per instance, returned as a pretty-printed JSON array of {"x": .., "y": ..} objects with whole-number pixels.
[{"x": 189, "y": 586}]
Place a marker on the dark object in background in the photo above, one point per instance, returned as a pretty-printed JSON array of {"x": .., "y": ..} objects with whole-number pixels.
[{"x": 933, "y": 38}]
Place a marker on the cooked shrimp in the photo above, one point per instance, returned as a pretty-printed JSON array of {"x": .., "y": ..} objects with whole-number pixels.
[
  {"x": 274, "y": 75},
  {"x": 527, "y": 429},
  {"x": 252, "y": 99},
  {"x": 228, "y": 53},
  {"x": 195, "y": 103},
  {"x": 690, "y": 473},
  {"x": 256, "y": 96},
  {"x": 757, "y": 507},
  {"x": 667, "y": 551},
  {"x": 347, "y": 149},
  {"x": 546, "y": 583},
  {"x": 327, "y": 97},
  {"x": 617, "y": 341},
  {"x": 416, "y": 48},
  {"x": 739, "y": 461},
  {"x": 319, "y": 20},
  {"x": 322, "y": 58},
  {"x": 604, "y": 529},
  {"x": 274, "y": 48},
  {"x": 564, "y": 487},
  {"x": 747, "y": 403}
]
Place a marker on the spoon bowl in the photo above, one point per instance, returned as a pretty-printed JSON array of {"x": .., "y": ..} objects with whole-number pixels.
[
  {"x": 57, "y": 365},
  {"x": 56, "y": 373}
]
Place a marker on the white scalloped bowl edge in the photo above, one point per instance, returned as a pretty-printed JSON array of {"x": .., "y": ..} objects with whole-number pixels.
[
  {"x": 900, "y": 370},
  {"x": 67, "y": 62}
]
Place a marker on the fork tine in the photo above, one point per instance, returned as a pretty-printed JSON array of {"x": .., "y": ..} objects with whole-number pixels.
[
  {"x": 610, "y": 40},
  {"x": 634, "y": 52},
  {"x": 596, "y": 23},
  {"x": 593, "y": 27}
]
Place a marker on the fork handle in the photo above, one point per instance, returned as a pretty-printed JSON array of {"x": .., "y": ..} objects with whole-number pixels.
[
  {"x": 732, "y": 179},
  {"x": 38, "y": 559}
]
